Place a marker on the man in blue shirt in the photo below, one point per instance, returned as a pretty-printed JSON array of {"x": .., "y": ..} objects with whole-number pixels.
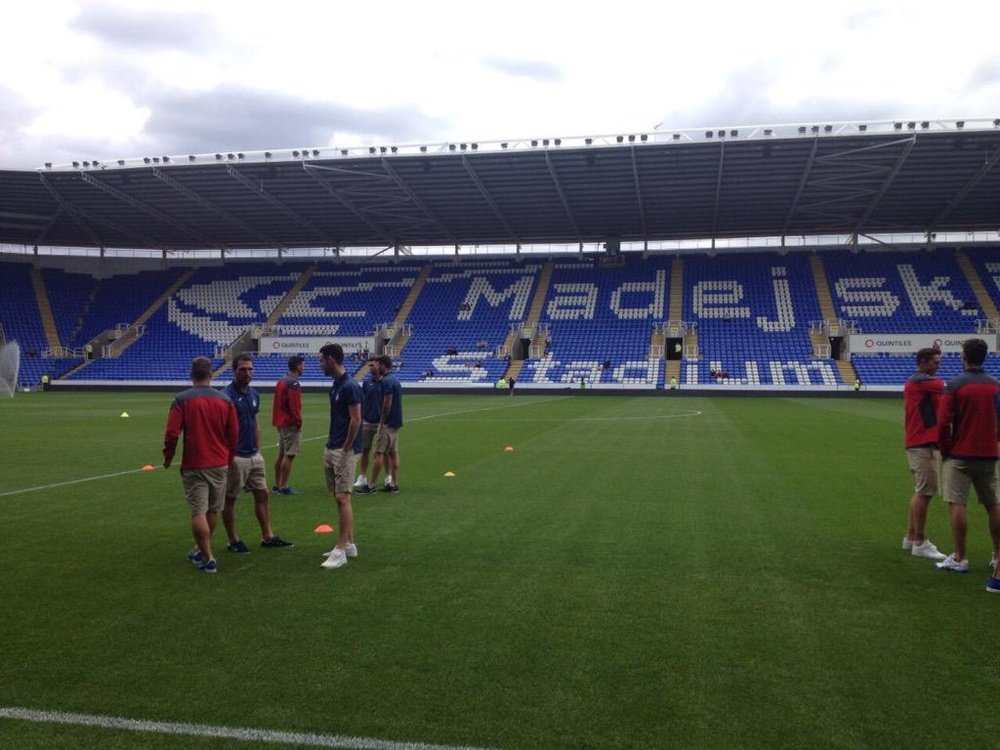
[
  {"x": 342, "y": 447},
  {"x": 390, "y": 422},
  {"x": 371, "y": 412},
  {"x": 246, "y": 472}
]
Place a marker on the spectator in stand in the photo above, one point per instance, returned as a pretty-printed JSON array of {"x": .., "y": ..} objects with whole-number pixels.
[{"x": 286, "y": 415}]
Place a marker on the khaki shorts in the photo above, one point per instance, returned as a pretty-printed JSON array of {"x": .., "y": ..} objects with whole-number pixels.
[
  {"x": 290, "y": 440},
  {"x": 387, "y": 440},
  {"x": 338, "y": 467},
  {"x": 246, "y": 473},
  {"x": 205, "y": 489},
  {"x": 368, "y": 432},
  {"x": 924, "y": 465},
  {"x": 962, "y": 473}
]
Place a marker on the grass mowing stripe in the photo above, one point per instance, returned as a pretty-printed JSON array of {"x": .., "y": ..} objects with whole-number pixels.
[
  {"x": 71, "y": 481},
  {"x": 204, "y": 730}
]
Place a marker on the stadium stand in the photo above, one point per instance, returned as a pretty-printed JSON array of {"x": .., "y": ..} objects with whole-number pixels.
[{"x": 752, "y": 313}]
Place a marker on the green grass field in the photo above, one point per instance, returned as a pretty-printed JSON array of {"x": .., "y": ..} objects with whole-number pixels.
[{"x": 639, "y": 573}]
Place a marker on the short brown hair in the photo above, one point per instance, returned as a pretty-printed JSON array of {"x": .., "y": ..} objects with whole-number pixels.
[
  {"x": 201, "y": 368},
  {"x": 334, "y": 352},
  {"x": 974, "y": 351},
  {"x": 385, "y": 360},
  {"x": 925, "y": 354}
]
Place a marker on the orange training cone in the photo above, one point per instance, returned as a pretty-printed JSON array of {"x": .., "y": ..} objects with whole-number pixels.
[
  {"x": 147, "y": 467},
  {"x": 509, "y": 449},
  {"x": 324, "y": 528}
]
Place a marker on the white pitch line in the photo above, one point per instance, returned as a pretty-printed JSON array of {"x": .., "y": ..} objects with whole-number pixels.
[
  {"x": 206, "y": 730},
  {"x": 273, "y": 445},
  {"x": 71, "y": 481}
]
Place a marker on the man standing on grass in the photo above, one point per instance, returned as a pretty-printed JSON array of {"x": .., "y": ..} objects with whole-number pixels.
[
  {"x": 390, "y": 423},
  {"x": 371, "y": 411},
  {"x": 342, "y": 446},
  {"x": 921, "y": 395},
  {"x": 967, "y": 419},
  {"x": 247, "y": 469},
  {"x": 209, "y": 423},
  {"x": 286, "y": 415}
]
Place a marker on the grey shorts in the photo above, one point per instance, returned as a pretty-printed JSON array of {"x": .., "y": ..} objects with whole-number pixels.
[
  {"x": 205, "y": 489},
  {"x": 246, "y": 473},
  {"x": 368, "y": 432},
  {"x": 925, "y": 466},
  {"x": 290, "y": 440},
  {"x": 338, "y": 468},
  {"x": 387, "y": 440},
  {"x": 960, "y": 474}
]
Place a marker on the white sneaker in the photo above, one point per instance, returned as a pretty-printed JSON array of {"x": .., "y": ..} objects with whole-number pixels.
[
  {"x": 388, "y": 481},
  {"x": 950, "y": 563},
  {"x": 336, "y": 559},
  {"x": 351, "y": 550},
  {"x": 928, "y": 550},
  {"x": 360, "y": 481},
  {"x": 907, "y": 544}
]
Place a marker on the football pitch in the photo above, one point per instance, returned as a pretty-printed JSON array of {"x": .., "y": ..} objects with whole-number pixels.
[{"x": 639, "y": 572}]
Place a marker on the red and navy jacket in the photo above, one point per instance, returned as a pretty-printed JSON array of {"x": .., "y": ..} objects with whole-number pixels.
[
  {"x": 208, "y": 420},
  {"x": 967, "y": 416},
  {"x": 287, "y": 408},
  {"x": 921, "y": 396}
]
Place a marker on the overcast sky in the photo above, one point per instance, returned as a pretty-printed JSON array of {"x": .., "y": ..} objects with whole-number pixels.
[{"x": 121, "y": 78}]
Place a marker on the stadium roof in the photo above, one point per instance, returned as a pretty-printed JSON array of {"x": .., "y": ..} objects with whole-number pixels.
[{"x": 761, "y": 181}]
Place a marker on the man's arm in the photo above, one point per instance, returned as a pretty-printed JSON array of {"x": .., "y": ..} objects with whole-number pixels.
[
  {"x": 386, "y": 408},
  {"x": 295, "y": 404},
  {"x": 175, "y": 423},
  {"x": 944, "y": 418},
  {"x": 354, "y": 410}
]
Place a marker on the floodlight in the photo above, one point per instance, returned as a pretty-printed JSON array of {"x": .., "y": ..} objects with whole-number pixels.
[
  {"x": 315, "y": 152},
  {"x": 343, "y": 151},
  {"x": 708, "y": 133},
  {"x": 619, "y": 138},
  {"x": 722, "y": 134},
  {"x": 996, "y": 123},
  {"x": 145, "y": 159},
  {"x": 677, "y": 136},
  {"x": 191, "y": 157},
  {"x": 230, "y": 156},
  {"x": 802, "y": 129},
  {"x": 862, "y": 128},
  {"x": 534, "y": 144},
  {"x": 371, "y": 150},
  {"x": 394, "y": 149},
  {"x": 86, "y": 164},
  {"x": 898, "y": 125},
  {"x": 166, "y": 159},
  {"x": 502, "y": 145},
  {"x": 631, "y": 139},
  {"x": 48, "y": 164},
  {"x": 925, "y": 124},
  {"x": 239, "y": 156},
  {"x": 545, "y": 141},
  {"x": 295, "y": 154},
  {"x": 828, "y": 128},
  {"x": 734, "y": 133},
  {"x": 218, "y": 157},
  {"x": 474, "y": 146},
  {"x": 156, "y": 160},
  {"x": 768, "y": 131},
  {"x": 588, "y": 141},
  {"x": 642, "y": 138},
  {"x": 911, "y": 125},
  {"x": 451, "y": 146},
  {"x": 815, "y": 128},
  {"x": 960, "y": 123}
]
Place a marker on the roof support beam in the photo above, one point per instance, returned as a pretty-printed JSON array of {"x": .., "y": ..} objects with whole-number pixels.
[
  {"x": 419, "y": 203},
  {"x": 638, "y": 193},
  {"x": 718, "y": 189},
  {"x": 966, "y": 189},
  {"x": 258, "y": 189},
  {"x": 72, "y": 211},
  {"x": 900, "y": 160},
  {"x": 314, "y": 171},
  {"x": 207, "y": 204},
  {"x": 563, "y": 198},
  {"x": 146, "y": 208},
  {"x": 489, "y": 199},
  {"x": 802, "y": 186}
]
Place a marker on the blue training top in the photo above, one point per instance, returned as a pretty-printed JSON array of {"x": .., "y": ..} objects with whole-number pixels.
[
  {"x": 247, "y": 405},
  {"x": 343, "y": 394},
  {"x": 371, "y": 404},
  {"x": 390, "y": 386}
]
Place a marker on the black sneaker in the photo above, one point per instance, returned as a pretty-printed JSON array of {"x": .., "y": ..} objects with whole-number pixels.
[
  {"x": 391, "y": 488},
  {"x": 276, "y": 488},
  {"x": 365, "y": 490},
  {"x": 239, "y": 548},
  {"x": 275, "y": 541}
]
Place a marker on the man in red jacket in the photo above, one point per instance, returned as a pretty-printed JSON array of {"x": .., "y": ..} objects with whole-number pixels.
[
  {"x": 967, "y": 422},
  {"x": 286, "y": 415},
  {"x": 921, "y": 396},
  {"x": 208, "y": 420}
]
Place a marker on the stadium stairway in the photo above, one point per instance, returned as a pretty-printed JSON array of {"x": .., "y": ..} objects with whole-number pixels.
[
  {"x": 674, "y": 315},
  {"x": 818, "y": 337},
  {"x": 402, "y": 333},
  {"x": 986, "y": 304},
  {"x": 531, "y": 323},
  {"x": 45, "y": 309}
]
